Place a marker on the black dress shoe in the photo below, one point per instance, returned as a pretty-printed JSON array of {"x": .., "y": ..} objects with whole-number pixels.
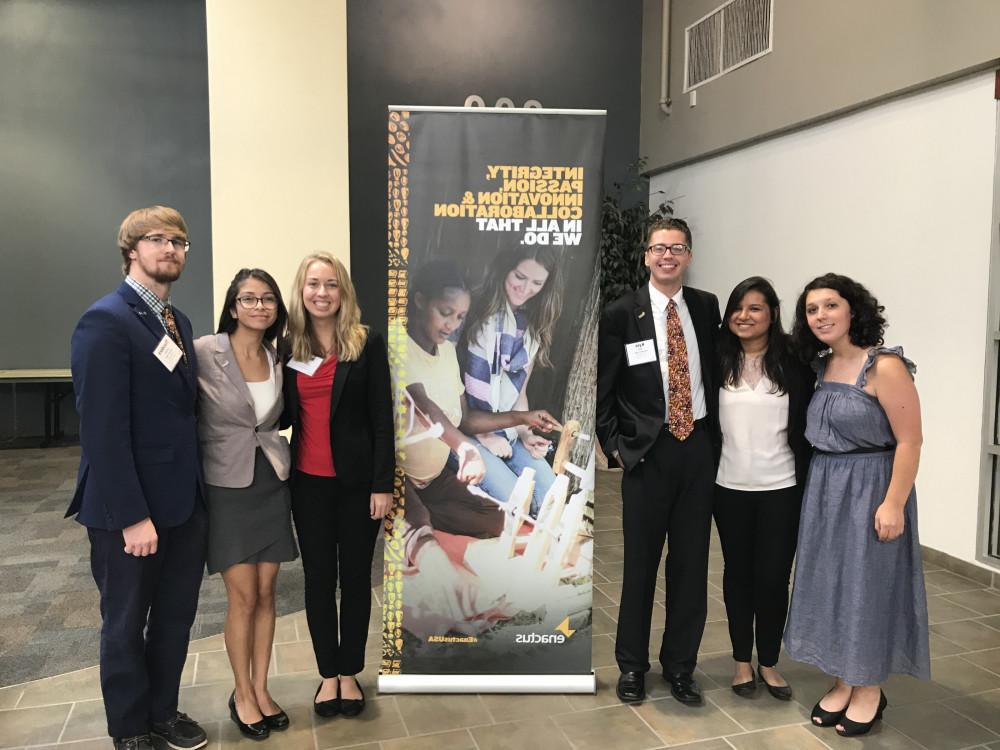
[
  {"x": 746, "y": 689},
  {"x": 258, "y": 730},
  {"x": 180, "y": 733},
  {"x": 327, "y": 708},
  {"x": 684, "y": 688},
  {"x": 853, "y": 728},
  {"x": 276, "y": 722},
  {"x": 353, "y": 706},
  {"x": 139, "y": 742},
  {"x": 631, "y": 687},
  {"x": 781, "y": 692}
]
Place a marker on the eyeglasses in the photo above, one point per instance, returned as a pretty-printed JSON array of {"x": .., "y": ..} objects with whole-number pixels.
[
  {"x": 678, "y": 249},
  {"x": 249, "y": 301},
  {"x": 181, "y": 246}
]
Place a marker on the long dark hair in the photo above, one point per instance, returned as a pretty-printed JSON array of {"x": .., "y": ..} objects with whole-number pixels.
[
  {"x": 542, "y": 310},
  {"x": 228, "y": 324},
  {"x": 730, "y": 349},
  {"x": 867, "y": 322}
]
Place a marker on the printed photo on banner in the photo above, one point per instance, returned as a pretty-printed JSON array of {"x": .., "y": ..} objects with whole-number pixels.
[{"x": 494, "y": 223}]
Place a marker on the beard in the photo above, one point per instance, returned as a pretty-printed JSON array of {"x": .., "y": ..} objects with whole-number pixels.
[{"x": 162, "y": 274}]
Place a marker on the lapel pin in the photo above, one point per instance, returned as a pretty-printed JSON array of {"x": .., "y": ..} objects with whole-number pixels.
[{"x": 642, "y": 313}]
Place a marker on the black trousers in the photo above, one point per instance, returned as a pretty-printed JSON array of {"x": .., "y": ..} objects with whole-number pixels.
[
  {"x": 337, "y": 540},
  {"x": 758, "y": 531},
  {"x": 668, "y": 496},
  {"x": 148, "y": 605}
]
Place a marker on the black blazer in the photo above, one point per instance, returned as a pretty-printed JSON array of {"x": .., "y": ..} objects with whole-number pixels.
[
  {"x": 630, "y": 400},
  {"x": 361, "y": 430},
  {"x": 800, "y": 387}
]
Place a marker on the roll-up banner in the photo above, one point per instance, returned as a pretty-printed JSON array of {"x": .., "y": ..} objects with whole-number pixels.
[{"x": 493, "y": 302}]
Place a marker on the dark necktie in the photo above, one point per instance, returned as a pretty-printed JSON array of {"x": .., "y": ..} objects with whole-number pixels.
[
  {"x": 681, "y": 413},
  {"x": 175, "y": 334}
]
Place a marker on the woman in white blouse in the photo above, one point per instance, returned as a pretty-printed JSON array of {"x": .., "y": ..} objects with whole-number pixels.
[
  {"x": 245, "y": 463},
  {"x": 762, "y": 406}
]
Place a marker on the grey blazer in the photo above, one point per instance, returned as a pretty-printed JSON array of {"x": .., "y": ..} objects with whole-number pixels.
[{"x": 227, "y": 424}]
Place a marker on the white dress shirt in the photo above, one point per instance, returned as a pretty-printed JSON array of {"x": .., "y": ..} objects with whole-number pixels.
[{"x": 659, "y": 301}]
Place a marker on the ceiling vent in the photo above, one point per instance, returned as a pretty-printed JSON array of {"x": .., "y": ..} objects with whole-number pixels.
[{"x": 732, "y": 35}]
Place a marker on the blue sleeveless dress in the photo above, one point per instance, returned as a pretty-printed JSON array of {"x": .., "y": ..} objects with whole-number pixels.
[{"x": 859, "y": 608}]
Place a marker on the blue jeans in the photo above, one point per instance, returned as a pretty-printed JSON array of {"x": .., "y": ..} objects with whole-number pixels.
[{"x": 502, "y": 473}]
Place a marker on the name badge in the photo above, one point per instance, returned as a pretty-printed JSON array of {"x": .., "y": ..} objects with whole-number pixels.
[
  {"x": 640, "y": 352},
  {"x": 306, "y": 368},
  {"x": 168, "y": 352}
]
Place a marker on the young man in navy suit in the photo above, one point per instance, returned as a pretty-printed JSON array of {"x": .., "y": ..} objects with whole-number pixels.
[
  {"x": 657, "y": 404},
  {"x": 139, "y": 484}
]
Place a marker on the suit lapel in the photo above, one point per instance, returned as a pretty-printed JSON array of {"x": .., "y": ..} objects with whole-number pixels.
[
  {"x": 701, "y": 326},
  {"x": 339, "y": 378},
  {"x": 142, "y": 312},
  {"x": 226, "y": 361},
  {"x": 643, "y": 314}
]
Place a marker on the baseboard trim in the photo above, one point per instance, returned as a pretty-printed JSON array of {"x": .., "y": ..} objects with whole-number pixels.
[{"x": 981, "y": 575}]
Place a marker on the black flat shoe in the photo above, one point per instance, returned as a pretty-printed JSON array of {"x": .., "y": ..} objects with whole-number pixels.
[
  {"x": 781, "y": 692},
  {"x": 276, "y": 722},
  {"x": 327, "y": 708},
  {"x": 258, "y": 730},
  {"x": 853, "y": 728},
  {"x": 631, "y": 687},
  {"x": 353, "y": 706},
  {"x": 745, "y": 689},
  {"x": 684, "y": 688}
]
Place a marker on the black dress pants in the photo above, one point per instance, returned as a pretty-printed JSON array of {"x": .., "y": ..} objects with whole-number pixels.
[
  {"x": 148, "y": 605},
  {"x": 337, "y": 540},
  {"x": 668, "y": 496},
  {"x": 758, "y": 531}
]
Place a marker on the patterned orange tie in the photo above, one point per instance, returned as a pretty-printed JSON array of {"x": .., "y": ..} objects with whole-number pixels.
[
  {"x": 175, "y": 334},
  {"x": 681, "y": 413}
]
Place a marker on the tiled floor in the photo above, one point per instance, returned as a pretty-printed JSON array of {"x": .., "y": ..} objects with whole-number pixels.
[{"x": 960, "y": 708}]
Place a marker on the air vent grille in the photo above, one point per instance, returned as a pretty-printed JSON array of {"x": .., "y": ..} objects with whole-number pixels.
[{"x": 732, "y": 35}]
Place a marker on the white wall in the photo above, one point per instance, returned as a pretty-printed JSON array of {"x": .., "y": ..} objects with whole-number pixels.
[
  {"x": 277, "y": 75},
  {"x": 899, "y": 197}
]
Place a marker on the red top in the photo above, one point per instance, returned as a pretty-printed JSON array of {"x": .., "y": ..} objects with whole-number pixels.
[{"x": 315, "y": 455}]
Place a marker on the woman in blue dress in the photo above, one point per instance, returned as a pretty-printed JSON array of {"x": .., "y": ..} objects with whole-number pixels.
[{"x": 859, "y": 609}]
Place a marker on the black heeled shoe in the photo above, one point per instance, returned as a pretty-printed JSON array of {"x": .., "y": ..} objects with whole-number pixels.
[
  {"x": 781, "y": 692},
  {"x": 327, "y": 708},
  {"x": 853, "y": 728},
  {"x": 258, "y": 730},
  {"x": 823, "y": 718},
  {"x": 353, "y": 706}
]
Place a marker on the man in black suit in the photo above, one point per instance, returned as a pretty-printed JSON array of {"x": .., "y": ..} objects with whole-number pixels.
[{"x": 657, "y": 403}]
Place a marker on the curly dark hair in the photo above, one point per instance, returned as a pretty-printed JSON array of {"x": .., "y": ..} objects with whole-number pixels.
[
  {"x": 867, "y": 322},
  {"x": 729, "y": 348}
]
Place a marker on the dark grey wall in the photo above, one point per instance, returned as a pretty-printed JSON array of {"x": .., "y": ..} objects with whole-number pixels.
[
  {"x": 581, "y": 54},
  {"x": 103, "y": 109},
  {"x": 828, "y": 58}
]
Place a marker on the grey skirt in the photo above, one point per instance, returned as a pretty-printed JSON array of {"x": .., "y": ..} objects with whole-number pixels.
[{"x": 250, "y": 524}]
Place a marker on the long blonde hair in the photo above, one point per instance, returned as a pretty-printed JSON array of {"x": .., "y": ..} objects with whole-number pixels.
[{"x": 349, "y": 334}]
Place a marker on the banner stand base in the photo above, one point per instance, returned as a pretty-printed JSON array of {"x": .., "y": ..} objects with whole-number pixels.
[{"x": 487, "y": 683}]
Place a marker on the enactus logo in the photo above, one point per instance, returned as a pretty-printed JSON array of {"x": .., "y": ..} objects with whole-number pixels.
[{"x": 563, "y": 634}]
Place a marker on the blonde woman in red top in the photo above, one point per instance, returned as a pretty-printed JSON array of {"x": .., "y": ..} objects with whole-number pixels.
[{"x": 338, "y": 400}]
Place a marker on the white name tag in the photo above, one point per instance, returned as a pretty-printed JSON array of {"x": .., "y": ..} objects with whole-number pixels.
[
  {"x": 306, "y": 368},
  {"x": 168, "y": 352},
  {"x": 640, "y": 352}
]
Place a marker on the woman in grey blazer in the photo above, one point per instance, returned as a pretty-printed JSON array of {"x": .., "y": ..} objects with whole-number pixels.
[{"x": 245, "y": 463}]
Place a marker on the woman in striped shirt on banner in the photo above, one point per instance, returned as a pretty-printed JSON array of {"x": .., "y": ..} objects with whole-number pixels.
[{"x": 507, "y": 334}]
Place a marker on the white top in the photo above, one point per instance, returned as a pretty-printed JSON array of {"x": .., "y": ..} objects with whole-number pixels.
[
  {"x": 263, "y": 392},
  {"x": 659, "y": 301},
  {"x": 755, "y": 452}
]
